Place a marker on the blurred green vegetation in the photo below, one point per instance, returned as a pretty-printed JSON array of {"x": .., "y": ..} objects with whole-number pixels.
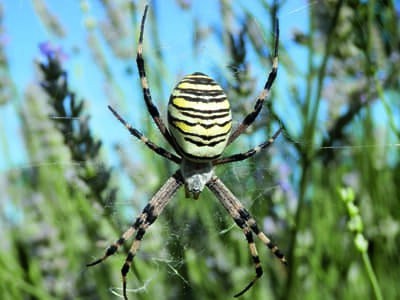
[{"x": 63, "y": 208}]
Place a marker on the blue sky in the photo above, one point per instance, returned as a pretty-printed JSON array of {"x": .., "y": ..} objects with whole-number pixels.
[{"x": 24, "y": 31}]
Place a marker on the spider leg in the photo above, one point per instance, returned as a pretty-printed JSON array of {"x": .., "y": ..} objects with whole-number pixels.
[
  {"x": 159, "y": 150},
  {"x": 112, "y": 249},
  {"x": 147, "y": 212},
  {"x": 145, "y": 219},
  {"x": 245, "y": 221},
  {"x": 249, "y": 119},
  {"x": 133, "y": 250},
  {"x": 262, "y": 236},
  {"x": 152, "y": 109},
  {"x": 249, "y": 153},
  {"x": 254, "y": 255}
]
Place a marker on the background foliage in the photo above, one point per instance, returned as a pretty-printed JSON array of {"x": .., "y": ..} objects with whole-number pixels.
[{"x": 326, "y": 192}]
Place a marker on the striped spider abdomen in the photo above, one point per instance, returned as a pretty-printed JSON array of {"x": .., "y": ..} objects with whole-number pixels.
[{"x": 199, "y": 117}]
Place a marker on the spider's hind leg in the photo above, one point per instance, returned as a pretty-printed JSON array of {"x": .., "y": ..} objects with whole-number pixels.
[
  {"x": 254, "y": 255},
  {"x": 148, "y": 216},
  {"x": 133, "y": 250},
  {"x": 251, "y": 222},
  {"x": 247, "y": 223},
  {"x": 112, "y": 249}
]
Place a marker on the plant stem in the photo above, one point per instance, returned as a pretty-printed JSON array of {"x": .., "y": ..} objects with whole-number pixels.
[
  {"x": 292, "y": 264},
  {"x": 371, "y": 275}
]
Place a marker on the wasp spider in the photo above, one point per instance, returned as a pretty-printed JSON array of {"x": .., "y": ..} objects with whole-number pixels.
[{"x": 199, "y": 129}]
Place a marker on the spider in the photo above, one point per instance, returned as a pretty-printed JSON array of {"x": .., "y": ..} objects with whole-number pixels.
[{"x": 199, "y": 129}]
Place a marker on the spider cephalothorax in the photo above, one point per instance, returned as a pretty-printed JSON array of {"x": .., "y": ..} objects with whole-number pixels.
[{"x": 199, "y": 129}]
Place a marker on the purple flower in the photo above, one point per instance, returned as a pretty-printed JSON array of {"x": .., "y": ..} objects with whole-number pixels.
[
  {"x": 284, "y": 173},
  {"x": 270, "y": 225},
  {"x": 4, "y": 39},
  {"x": 363, "y": 98},
  {"x": 50, "y": 50}
]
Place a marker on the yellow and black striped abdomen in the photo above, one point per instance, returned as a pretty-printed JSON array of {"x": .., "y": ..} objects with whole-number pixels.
[{"x": 199, "y": 117}]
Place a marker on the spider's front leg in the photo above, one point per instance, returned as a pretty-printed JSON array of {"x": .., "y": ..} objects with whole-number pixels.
[
  {"x": 148, "y": 216},
  {"x": 249, "y": 119}
]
